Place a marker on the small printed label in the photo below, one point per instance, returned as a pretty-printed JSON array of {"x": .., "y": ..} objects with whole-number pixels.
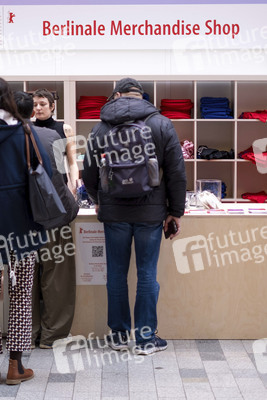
[{"x": 129, "y": 181}]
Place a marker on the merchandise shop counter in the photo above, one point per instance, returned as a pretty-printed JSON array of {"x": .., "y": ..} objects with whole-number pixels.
[{"x": 212, "y": 277}]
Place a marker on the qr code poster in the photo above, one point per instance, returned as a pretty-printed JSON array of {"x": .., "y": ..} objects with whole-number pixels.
[{"x": 90, "y": 254}]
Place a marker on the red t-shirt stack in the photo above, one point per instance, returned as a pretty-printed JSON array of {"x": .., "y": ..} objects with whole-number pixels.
[
  {"x": 89, "y": 106},
  {"x": 176, "y": 108}
]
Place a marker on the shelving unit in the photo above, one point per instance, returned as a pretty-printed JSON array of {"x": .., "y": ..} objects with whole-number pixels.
[{"x": 244, "y": 94}]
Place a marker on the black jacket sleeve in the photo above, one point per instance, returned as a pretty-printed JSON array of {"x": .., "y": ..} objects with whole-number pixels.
[
  {"x": 174, "y": 172},
  {"x": 90, "y": 174}
]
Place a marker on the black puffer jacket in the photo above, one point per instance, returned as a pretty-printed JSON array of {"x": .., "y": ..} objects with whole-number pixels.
[{"x": 169, "y": 197}]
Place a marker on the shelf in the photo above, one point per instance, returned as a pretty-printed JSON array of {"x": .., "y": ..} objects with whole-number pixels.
[{"x": 245, "y": 93}]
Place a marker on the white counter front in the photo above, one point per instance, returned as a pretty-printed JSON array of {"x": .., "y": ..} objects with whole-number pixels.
[{"x": 213, "y": 280}]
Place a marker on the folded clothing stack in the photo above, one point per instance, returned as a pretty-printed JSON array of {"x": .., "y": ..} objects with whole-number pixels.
[
  {"x": 259, "y": 114},
  {"x": 259, "y": 197},
  {"x": 176, "y": 108},
  {"x": 215, "y": 108},
  {"x": 89, "y": 106},
  {"x": 207, "y": 153},
  {"x": 258, "y": 158}
]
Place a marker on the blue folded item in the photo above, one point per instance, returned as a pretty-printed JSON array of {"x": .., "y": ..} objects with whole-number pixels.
[{"x": 215, "y": 108}]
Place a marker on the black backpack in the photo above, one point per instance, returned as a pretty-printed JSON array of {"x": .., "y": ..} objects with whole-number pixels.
[{"x": 129, "y": 165}]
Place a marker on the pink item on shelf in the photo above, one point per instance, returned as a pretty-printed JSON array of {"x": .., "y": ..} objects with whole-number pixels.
[{"x": 187, "y": 149}]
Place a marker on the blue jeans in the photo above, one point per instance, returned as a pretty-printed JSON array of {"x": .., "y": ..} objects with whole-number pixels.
[{"x": 147, "y": 239}]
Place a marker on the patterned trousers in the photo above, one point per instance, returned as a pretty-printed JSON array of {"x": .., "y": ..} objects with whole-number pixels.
[{"x": 20, "y": 304}]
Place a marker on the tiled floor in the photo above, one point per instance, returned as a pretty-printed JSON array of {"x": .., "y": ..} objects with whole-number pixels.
[{"x": 188, "y": 369}]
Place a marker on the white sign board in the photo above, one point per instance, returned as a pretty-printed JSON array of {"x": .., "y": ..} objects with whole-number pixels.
[
  {"x": 180, "y": 26},
  {"x": 90, "y": 253}
]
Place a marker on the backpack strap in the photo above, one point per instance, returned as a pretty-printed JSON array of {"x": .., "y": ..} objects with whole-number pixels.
[{"x": 151, "y": 115}]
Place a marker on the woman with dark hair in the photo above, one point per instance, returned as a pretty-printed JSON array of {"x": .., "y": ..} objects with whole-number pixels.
[
  {"x": 44, "y": 107},
  {"x": 20, "y": 236}
]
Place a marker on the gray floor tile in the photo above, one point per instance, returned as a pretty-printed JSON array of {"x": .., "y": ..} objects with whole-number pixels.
[
  {"x": 30, "y": 396},
  {"x": 8, "y": 391},
  {"x": 215, "y": 367},
  {"x": 190, "y": 361},
  {"x": 112, "y": 384},
  {"x": 193, "y": 373},
  {"x": 222, "y": 380},
  {"x": 201, "y": 391},
  {"x": 227, "y": 393},
  {"x": 244, "y": 373},
  {"x": 61, "y": 378},
  {"x": 232, "y": 346},
  {"x": 86, "y": 396},
  {"x": 212, "y": 356},
  {"x": 170, "y": 391},
  {"x": 248, "y": 345},
  {"x": 185, "y": 345},
  {"x": 210, "y": 346},
  {"x": 143, "y": 395},
  {"x": 168, "y": 380},
  {"x": 59, "y": 390},
  {"x": 240, "y": 362},
  {"x": 90, "y": 385},
  {"x": 250, "y": 384}
]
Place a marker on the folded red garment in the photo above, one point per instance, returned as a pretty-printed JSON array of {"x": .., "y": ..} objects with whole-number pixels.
[
  {"x": 259, "y": 114},
  {"x": 89, "y": 115},
  {"x": 259, "y": 158},
  {"x": 258, "y": 197},
  {"x": 176, "y": 115},
  {"x": 89, "y": 106}
]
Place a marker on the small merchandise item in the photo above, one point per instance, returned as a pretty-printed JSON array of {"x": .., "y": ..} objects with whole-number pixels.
[
  {"x": 212, "y": 185},
  {"x": 47, "y": 208},
  {"x": 129, "y": 165},
  {"x": 176, "y": 108},
  {"x": 208, "y": 200},
  {"x": 83, "y": 199},
  {"x": 187, "y": 149}
]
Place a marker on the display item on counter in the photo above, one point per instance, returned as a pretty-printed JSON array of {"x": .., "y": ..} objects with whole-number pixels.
[
  {"x": 211, "y": 185},
  {"x": 215, "y": 108},
  {"x": 176, "y": 108},
  {"x": 206, "y": 153},
  {"x": 89, "y": 106},
  {"x": 259, "y": 114},
  {"x": 259, "y": 197},
  {"x": 83, "y": 199},
  {"x": 224, "y": 187},
  {"x": 208, "y": 200},
  {"x": 187, "y": 149}
]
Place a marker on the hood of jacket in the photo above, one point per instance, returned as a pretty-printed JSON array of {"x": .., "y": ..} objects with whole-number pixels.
[
  {"x": 125, "y": 109},
  {"x": 7, "y": 130}
]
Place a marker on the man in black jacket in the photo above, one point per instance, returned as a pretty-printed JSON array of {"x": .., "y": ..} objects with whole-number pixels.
[{"x": 140, "y": 218}]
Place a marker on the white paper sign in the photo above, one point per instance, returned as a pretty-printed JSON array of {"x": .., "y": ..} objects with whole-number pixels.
[{"x": 90, "y": 253}]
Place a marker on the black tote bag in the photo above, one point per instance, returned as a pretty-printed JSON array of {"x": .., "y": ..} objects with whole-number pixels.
[{"x": 47, "y": 208}]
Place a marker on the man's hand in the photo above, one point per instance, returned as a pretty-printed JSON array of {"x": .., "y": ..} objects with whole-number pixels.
[
  {"x": 178, "y": 224},
  {"x": 96, "y": 208}
]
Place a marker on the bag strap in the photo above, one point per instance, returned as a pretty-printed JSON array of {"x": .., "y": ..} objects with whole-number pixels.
[
  {"x": 28, "y": 134},
  {"x": 151, "y": 115}
]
